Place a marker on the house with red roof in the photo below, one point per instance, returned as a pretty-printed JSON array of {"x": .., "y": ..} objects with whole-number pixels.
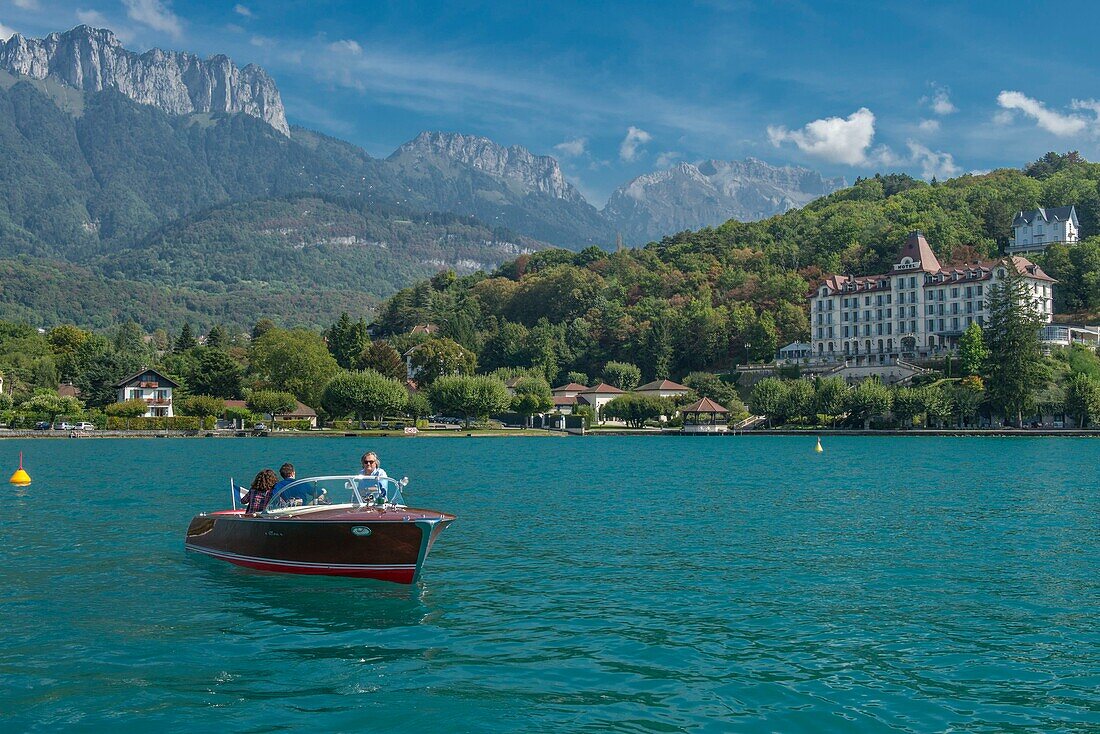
[
  {"x": 598, "y": 396},
  {"x": 663, "y": 389}
]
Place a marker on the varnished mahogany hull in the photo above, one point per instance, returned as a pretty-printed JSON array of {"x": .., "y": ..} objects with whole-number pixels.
[{"x": 387, "y": 545}]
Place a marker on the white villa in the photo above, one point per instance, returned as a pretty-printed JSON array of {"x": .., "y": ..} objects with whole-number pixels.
[
  {"x": 1035, "y": 230},
  {"x": 662, "y": 389},
  {"x": 917, "y": 310},
  {"x": 152, "y": 387},
  {"x": 598, "y": 396}
]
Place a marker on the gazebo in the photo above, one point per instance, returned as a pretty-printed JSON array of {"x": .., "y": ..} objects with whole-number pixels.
[{"x": 704, "y": 416}]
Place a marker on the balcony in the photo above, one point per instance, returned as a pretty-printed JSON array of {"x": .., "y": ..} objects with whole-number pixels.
[{"x": 158, "y": 401}]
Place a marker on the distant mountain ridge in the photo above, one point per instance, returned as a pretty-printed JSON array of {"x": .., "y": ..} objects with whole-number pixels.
[
  {"x": 691, "y": 196},
  {"x": 533, "y": 173},
  {"x": 177, "y": 83},
  {"x": 501, "y": 186},
  {"x": 165, "y": 173}
]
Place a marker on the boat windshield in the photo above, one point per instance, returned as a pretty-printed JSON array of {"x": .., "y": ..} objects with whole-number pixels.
[{"x": 346, "y": 490}]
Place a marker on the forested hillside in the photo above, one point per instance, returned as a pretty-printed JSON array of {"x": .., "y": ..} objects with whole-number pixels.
[
  {"x": 115, "y": 211},
  {"x": 716, "y": 297}
]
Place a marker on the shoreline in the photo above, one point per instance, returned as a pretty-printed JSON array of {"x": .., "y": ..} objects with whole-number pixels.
[{"x": 543, "y": 433}]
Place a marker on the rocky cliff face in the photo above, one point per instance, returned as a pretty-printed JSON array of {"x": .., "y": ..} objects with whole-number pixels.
[
  {"x": 518, "y": 166},
  {"x": 178, "y": 83},
  {"x": 511, "y": 187},
  {"x": 690, "y": 196}
]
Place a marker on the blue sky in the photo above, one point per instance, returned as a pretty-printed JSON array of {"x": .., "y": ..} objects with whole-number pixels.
[{"x": 615, "y": 89}]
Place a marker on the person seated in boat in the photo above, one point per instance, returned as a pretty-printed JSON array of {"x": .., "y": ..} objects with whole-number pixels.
[
  {"x": 260, "y": 491},
  {"x": 372, "y": 470},
  {"x": 286, "y": 471}
]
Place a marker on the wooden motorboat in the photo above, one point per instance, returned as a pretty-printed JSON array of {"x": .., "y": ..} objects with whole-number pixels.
[{"x": 334, "y": 526}]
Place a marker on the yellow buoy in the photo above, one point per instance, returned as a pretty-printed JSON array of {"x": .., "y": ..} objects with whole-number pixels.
[
  {"x": 818, "y": 448},
  {"x": 20, "y": 478}
]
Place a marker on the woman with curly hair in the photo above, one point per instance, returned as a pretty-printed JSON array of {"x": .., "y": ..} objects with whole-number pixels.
[{"x": 260, "y": 491}]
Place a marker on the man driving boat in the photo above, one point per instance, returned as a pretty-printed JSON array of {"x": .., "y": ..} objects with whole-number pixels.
[{"x": 371, "y": 470}]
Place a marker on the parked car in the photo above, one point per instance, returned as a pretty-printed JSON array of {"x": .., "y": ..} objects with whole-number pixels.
[
  {"x": 42, "y": 426},
  {"x": 85, "y": 426},
  {"x": 259, "y": 427},
  {"x": 63, "y": 426}
]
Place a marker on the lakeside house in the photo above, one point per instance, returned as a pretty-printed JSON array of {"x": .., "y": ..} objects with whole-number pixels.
[
  {"x": 68, "y": 390},
  {"x": 565, "y": 397},
  {"x": 662, "y": 389},
  {"x": 916, "y": 311},
  {"x": 301, "y": 412},
  {"x": 598, "y": 396},
  {"x": 1036, "y": 230},
  {"x": 152, "y": 387}
]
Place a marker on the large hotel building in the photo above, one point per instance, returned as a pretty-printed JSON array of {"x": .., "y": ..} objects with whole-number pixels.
[{"x": 917, "y": 310}]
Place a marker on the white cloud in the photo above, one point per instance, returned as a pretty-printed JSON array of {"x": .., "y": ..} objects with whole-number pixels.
[
  {"x": 1053, "y": 122},
  {"x": 933, "y": 163},
  {"x": 346, "y": 46},
  {"x": 156, "y": 14},
  {"x": 572, "y": 148},
  {"x": 834, "y": 139},
  {"x": 242, "y": 10},
  {"x": 5, "y": 32},
  {"x": 629, "y": 149},
  {"x": 667, "y": 158},
  {"x": 261, "y": 41},
  {"x": 91, "y": 17},
  {"x": 941, "y": 102},
  {"x": 929, "y": 126},
  {"x": 25, "y": 4}
]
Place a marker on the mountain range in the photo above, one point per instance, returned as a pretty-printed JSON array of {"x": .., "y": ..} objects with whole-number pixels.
[{"x": 136, "y": 167}]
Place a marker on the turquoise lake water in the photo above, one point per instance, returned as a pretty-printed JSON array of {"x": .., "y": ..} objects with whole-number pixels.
[{"x": 598, "y": 584}]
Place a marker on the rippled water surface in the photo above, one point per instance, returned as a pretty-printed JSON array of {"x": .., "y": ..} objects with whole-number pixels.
[{"x": 599, "y": 584}]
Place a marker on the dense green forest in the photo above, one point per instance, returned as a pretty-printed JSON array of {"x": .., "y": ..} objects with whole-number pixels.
[{"x": 717, "y": 297}]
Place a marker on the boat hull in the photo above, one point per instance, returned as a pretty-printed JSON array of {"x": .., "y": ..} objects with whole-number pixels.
[{"x": 386, "y": 545}]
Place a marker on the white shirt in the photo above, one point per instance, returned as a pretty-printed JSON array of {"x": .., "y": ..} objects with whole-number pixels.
[{"x": 366, "y": 484}]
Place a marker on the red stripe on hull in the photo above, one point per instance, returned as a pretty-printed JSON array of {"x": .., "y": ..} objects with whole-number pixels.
[{"x": 396, "y": 575}]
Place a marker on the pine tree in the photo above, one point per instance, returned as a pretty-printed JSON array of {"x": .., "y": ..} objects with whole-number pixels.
[
  {"x": 346, "y": 340},
  {"x": 215, "y": 338},
  {"x": 1014, "y": 365},
  {"x": 186, "y": 339}
]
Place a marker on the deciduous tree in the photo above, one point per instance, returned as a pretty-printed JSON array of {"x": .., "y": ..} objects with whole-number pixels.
[
  {"x": 769, "y": 399},
  {"x": 868, "y": 400},
  {"x": 272, "y": 402},
  {"x": 363, "y": 394},
  {"x": 972, "y": 350},
  {"x": 1083, "y": 398},
  {"x": 441, "y": 357},
  {"x": 622, "y": 375},
  {"x": 296, "y": 361},
  {"x": 469, "y": 396}
]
